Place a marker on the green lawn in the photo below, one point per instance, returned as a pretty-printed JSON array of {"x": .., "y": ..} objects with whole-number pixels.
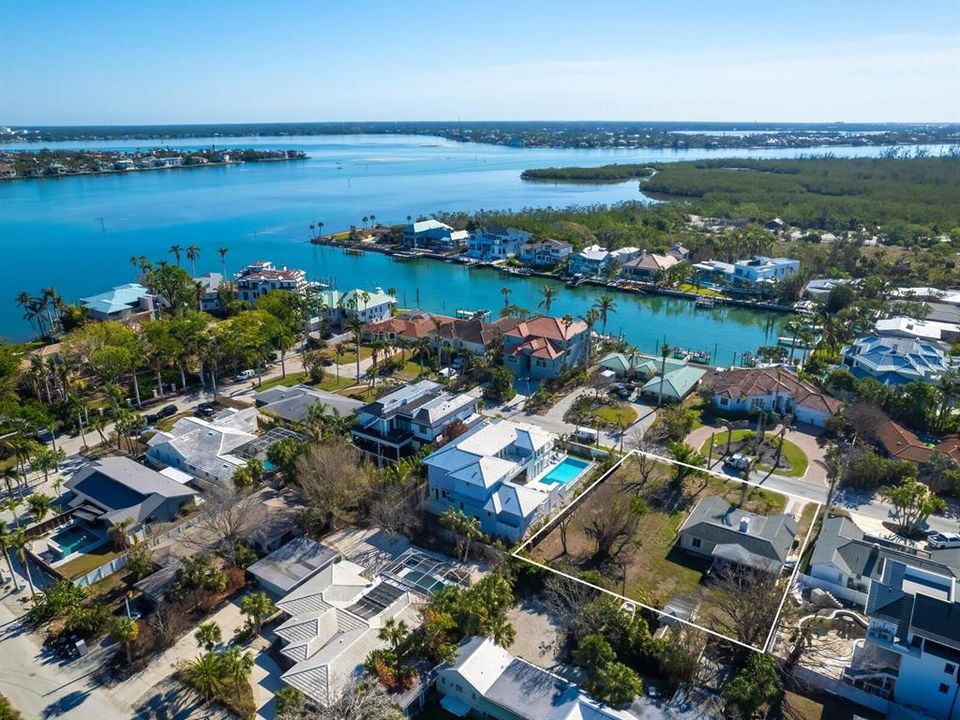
[
  {"x": 292, "y": 378},
  {"x": 166, "y": 424},
  {"x": 708, "y": 292},
  {"x": 621, "y": 416},
  {"x": 791, "y": 452},
  {"x": 410, "y": 371},
  {"x": 330, "y": 383},
  {"x": 351, "y": 355},
  {"x": 88, "y": 561}
]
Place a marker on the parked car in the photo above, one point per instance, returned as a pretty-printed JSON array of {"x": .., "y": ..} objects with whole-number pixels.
[
  {"x": 738, "y": 461},
  {"x": 622, "y": 390},
  {"x": 245, "y": 375},
  {"x": 206, "y": 409},
  {"x": 164, "y": 412},
  {"x": 943, "y": 540},
  {"x": 586, "y": 435}
]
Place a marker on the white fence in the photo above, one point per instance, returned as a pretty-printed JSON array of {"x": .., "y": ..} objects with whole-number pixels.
[{"x": 120, "y": 562}]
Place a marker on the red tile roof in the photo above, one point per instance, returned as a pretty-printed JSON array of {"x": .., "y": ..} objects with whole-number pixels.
[
  {"x": 901, "y": 443},
  {"x": 547, "y": 327},
  {"x": 752, "y": 382}
]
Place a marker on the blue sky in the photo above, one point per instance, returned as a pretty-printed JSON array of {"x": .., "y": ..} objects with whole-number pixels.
[{"x": 76, "y": 62}]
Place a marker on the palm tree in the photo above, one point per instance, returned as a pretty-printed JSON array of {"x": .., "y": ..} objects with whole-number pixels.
[
  {"x": 257, "y": 607},
  {"x": 605, "y": 305},
  {"x": 193, "y": 254},
  {"x": 590, "y": 318},
  {"x": 175, "y": 250},
  {"x": 471, "y": 531},
  {"x": 549, "y": 293},
  {"x": 356, "y": 327},
  {"x": 40, "y": 505},
  {"x": 208, "y": 635},
  {"x": 394, "y": 632},
  {"x": 118, "y": 531},
  {"x": 125, "y": 630},
  {"x": 505, "y": 291},
  {"x": 237, "y": 665},
  {"x": 205, "y": 675},
  {"x": 499, "y": 629},
  {"x": 423, "y": 349},
  {"x": 135, "y": 261},
  {"x": 319, "y": 229},
  {"x": 312, "y": 228},
  {"x": 6, "y": 545},
  {"x": 223, "y": 260},
  {"x": 50, "y": 299},
  {"x": 664, "y": 353},
  {"x": 19, "y": 541}
]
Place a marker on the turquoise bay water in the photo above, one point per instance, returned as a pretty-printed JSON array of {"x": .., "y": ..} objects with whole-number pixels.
[{"x": 78, "y": 233}]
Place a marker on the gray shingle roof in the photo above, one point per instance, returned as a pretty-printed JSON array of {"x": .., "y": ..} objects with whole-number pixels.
[
  {"x": 293, "y": 403},
  {"x": 716, "y": 521}
]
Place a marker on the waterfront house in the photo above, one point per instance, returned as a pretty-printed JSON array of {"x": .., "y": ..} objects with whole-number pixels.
[
  {"x": 368, "y": 306},
  {"x": 210, "y": 292},
  {"x": 292, "y": 404},
  {"x": 846, "y": 561},
  {"x": 545, "y": 253},
  {"x": 589, "y": 262},
  {"x": 543, "y": 347},
  {"x": 760, "y": 268},
  {"x": 917, "y": 329},
  {"x": 648, "y": 267},
  {"x": 776, "y": 390},
  {"x": 679, "y": 252},
  {"x": 334, "y": 618},
  {"x": 474, "y": 334},
  {"x": 715, "y": 271},
  {"x": 486, "y": 681},
  {"x": 112, "y": 490},
  {"x": 495, "y": 473},
  {"x": 495, "y": 242},
  {"x": 128, "y": 303},
  {"x": 124, "y": 165},
  {"x": 262, "y": 277},
  {"x": 432, "y": 234},
  {"x": 820, "y": 288},
  {"x": 715, "y": 529},
  {"x": 8, "y": 171},
  {"x": 205, "y": 448},
  {"x": 896, "y": 360},
  {"x": 911, "y": 652},
  {"x": 404, "y": 420},
  {"x": 676, "y": 383}
]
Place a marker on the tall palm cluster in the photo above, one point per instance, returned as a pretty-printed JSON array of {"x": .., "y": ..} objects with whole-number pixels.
[{"x": 42, "y": 311}]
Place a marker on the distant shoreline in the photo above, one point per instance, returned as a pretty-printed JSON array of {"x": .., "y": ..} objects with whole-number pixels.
[{"x": 622, "y": 135}]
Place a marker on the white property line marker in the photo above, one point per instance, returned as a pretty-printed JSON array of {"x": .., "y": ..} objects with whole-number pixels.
[{"x": 657, "y": 611}]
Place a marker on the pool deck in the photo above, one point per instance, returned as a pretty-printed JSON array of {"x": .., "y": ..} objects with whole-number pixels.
[{"x": 539, "y": 484}]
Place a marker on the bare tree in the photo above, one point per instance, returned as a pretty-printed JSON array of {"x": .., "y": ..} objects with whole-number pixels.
[
  {"x": 227, "y": 518},
  {"x": 395, "y": 510},
  {"x": 746, "y": 601},
  {"x": 334, "y": 480},
  {"x": 563, "y": 597},
  {"x": 612, "y": 528},
  {"x": 644, "y": 465},
  {"x": 865, "y": 419},
  {"x": 169, "y": 621},
  {"x": 366, "y": 700}
]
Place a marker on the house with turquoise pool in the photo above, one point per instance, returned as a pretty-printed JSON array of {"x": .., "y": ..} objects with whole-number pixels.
[{"x": 506, "y": 474}]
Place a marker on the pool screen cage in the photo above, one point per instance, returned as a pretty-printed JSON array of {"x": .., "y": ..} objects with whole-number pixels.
[
  {"x": 257, "y": 448},
  {"x": 425, "y": 574}
]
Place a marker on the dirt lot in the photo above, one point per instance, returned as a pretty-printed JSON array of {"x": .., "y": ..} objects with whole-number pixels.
[{"x": 651, "y": 568}]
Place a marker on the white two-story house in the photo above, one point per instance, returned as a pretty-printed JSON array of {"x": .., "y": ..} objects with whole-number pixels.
[
  {"x": 911, "y": 653},
  {"x": 495, "y": 242},
  {"x": 415, "y": 415},
  {"x": 494, "y": 473}
]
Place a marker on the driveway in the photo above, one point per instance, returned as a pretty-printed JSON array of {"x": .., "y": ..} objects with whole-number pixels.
[{"x": 552, "y": 420}]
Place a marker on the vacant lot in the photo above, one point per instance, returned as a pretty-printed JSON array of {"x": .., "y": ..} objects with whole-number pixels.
[{"x": 643, "y": 504}]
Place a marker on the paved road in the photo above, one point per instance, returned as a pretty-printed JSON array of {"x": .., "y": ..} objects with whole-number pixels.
[{"x": 43, "y": 687}]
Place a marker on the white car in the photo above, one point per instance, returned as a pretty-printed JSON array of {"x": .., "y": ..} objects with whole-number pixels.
[
  {"x": 944, "y": 540},
  {"x": 246, "y": 375},
  {"x": 738, "y": 461}
]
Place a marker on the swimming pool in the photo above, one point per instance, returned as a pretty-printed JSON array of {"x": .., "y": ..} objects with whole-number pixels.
[
  {"x": 73, "y": 538},
  {"x": 569, "y": 469}
]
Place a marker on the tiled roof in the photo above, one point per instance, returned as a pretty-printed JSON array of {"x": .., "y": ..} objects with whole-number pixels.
[
  {"x": 754, "y": 382},
  {"x": 901, "y": 443},
  {"x": 547, "y": 327},
  {"x": 120, "y": 298}
]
